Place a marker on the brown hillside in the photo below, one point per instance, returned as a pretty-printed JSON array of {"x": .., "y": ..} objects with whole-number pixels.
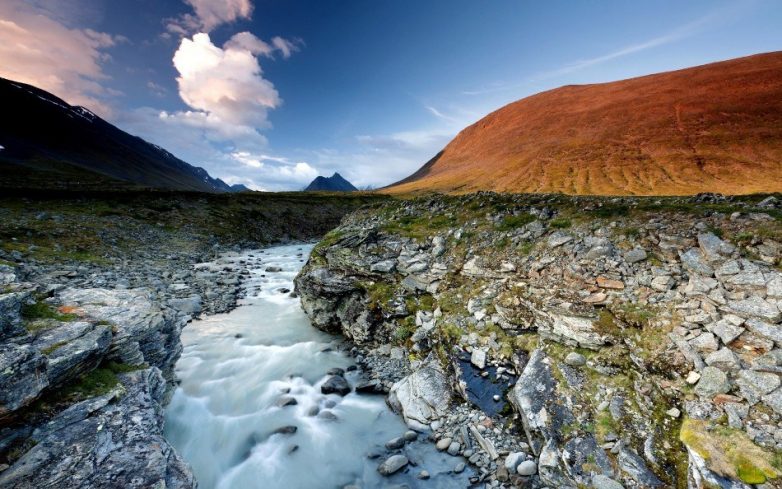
[{"x": 712, "y": 128}]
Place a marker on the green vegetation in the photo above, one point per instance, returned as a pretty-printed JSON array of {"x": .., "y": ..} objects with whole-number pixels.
[
  {"x": 509, "y": 223},
  {"x": 97, "y": 382},
  {"x": 404, "y": 330},
  {"x": 42, "y": 310},
  {"x": 729, "y": 452},
  {"x": 560, "y": 223}
]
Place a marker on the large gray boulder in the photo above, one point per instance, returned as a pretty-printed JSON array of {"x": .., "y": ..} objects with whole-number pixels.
[
  {"x": 22, "y": 376},
  {"x": 422, "y": 396},
  {"x": 105, "y": 442}
]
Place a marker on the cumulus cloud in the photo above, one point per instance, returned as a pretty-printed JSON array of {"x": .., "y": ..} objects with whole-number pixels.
[
  {"x": 44, "y": 52},
  {"x": 208, "y": 14},
  {"x": 226, "y": 83}
]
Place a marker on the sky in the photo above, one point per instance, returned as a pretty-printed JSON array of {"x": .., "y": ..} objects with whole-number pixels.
[{"x": 272, "y": 93}]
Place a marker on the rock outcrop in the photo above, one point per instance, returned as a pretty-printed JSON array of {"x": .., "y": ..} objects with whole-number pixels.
[
  {"x": 85, "y": 375},
  {"x": 616, "y": 325}
]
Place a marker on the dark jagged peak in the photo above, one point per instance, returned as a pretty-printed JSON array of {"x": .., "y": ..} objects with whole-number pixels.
[{"x": 334, "y": 183}]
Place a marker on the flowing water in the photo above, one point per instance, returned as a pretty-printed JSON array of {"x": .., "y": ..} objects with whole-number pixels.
[{"x": 224, "y": 418}]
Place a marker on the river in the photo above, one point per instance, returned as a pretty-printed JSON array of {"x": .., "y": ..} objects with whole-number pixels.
[{"x": 225, "y": 418}]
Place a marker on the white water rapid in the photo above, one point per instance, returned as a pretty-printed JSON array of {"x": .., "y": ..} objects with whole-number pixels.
[{"x": 224, "y": 418}]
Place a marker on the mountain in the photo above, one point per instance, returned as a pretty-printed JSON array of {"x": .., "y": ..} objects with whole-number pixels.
[
  {"x": 334, "y": 183},
  {"x": 44, "y": 142},
  {"x": 711, "y": 128}
]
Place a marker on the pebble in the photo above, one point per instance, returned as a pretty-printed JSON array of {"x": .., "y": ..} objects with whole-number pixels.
[
  {"x": 575, "y": 359},
  {"x": 443, "y": 444}
]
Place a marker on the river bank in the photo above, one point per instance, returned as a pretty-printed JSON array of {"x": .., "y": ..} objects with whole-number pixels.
[{"x": 628, "y": 342}]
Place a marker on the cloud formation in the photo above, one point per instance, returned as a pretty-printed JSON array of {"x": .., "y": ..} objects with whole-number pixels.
[
  {"x": 226, "y": 83},
  {"x": 208, "y": 14},
  {"x": 44, "y": 52}
]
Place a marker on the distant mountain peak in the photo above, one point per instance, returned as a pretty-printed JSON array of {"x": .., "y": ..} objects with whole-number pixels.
[{"x": 334, "y": 183}]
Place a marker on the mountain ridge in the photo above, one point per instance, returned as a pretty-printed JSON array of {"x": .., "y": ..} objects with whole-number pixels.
[
  {"x": 710, "y": 128},
  {"x": 54, "y": 143}
]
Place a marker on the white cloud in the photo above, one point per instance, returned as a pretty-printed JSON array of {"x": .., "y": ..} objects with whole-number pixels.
[
  {"x": 225, "y": 83},
  {"x": 209, "y": 14},
  {"x": 41, "y": 51},
  {"x": 247, "y": 41}
]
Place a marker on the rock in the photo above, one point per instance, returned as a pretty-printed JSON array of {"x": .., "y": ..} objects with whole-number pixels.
[
  {"x": 713, "y": 381},
  {"x": 285, "y": 430},
  {"x": 705, "y": 343},
  {"x": 600, "y": 481},
  {"x": 392, "y": 464},
  {"x": 575, "y": 359},
  {"x": 327, "y": 416},
  {"x": 694, "y": 261},
  {"x": 527, "y": 468},
  {"x": 273, "y": 269},
  {"x": 662, "y": 283},
  {"x": 395, "y": 443},
  {"x": 423, "y": 475},
  {"x": 143, "y": 333},
  {"x": 693, "y": 377},
  {"x": 284, "y": 401},
  {"x": 673, "y": 412},
  {"x": 422, "y": 396},
  {"x": 574, "y": 330},
  {"x": 22, "y": 376},
  {"x": 478, "y": 358},
  {"x": 756, "y": 307},
  {"x": 772, "y": 332},
  {"x": 385, "y": 266},
  {"x": 190, "y": 305},
  {"x": 724, "y": 359},
  {"x": 459, "y": 468},
  {"x": 714, "y": 248},
  {"x": 607, "y": 283},
  {"x": 635, "y": 255},
  {"x": 726, "y": 330},
  {"x": 73, "y": 349},
  {"x": 633, "y": 465},
  {"x": 558, "y": 238},
  {"x": 336, "y": 384},
  {"x": 453, "y": 448},
  {"x": 774, "y": 400},
  {"x": 513, "y": 460},
  {"x": 10, "y": 313},
  {"x": 120, "y": 443},
  {"x": 754, "y": 385},
  {"x": 443, "y": 444}
]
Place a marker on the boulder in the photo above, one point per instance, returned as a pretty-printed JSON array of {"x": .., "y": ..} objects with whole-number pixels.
[
  {"x": 335, "y": 384},
  {"x": 422, "y": 396}
]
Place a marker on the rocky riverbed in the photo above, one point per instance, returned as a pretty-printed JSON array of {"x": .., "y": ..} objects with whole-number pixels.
[
  {"x": 629, "y": 342},
  {"x": 94, "y": 294}
]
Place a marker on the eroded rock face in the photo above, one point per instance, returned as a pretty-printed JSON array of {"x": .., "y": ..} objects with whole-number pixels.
[
  {"x": 656, "y": 302},
  {"x": 421, "y": 397},
  {"x": 112, "y": 441},
  {"x": 144, "y": 333}
]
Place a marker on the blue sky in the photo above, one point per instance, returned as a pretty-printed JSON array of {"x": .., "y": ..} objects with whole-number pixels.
[{"x": 272, "y": 93}]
